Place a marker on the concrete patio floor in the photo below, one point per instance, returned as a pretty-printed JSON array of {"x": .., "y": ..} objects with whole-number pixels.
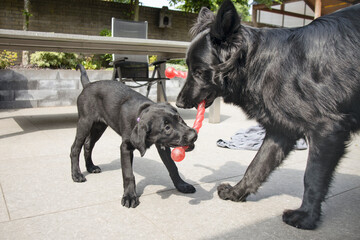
[{"x": 39, "y": 200}]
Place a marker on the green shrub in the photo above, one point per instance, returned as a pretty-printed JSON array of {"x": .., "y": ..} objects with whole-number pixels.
[
  {"x": 96, "y": 61},
  {"x": 7, "y": 59},
  {"x": 105, "y": 32},
  {"x": 89, "y": 64},
  {"x": 103, "y": 60},
  {"x": 55, "y": 59},
  {"x": 178, "y": 62}
]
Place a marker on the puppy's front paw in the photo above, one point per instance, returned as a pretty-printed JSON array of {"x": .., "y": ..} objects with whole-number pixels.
[
  {"x": 227, "y": 192},
  {"x": 300, "y": 219},
  {"x": 184, "y": 187},
  {"x": 130, "y": 201},
  {"x": 78, "y": 177}
]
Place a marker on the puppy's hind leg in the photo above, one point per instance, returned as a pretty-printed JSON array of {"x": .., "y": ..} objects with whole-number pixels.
[
  {"x": 82, "y": 131},
  {"x": 324, "y": 154},
  {"x": 180, "y": 184},
  {"x": 95, "y": 133}
]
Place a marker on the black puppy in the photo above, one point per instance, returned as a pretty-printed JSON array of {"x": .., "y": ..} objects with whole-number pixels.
[
  {"x": 139, "y": 121},
  {"x": 295, "y": 82}
]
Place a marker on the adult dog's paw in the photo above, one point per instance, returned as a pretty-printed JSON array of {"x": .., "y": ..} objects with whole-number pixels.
[
  {"x": 130, "y": 201},
  {"x": 227, "y": 192},
  {"x": 185, "y": 187},
  {"x": 224, "y": 191},
  {"x": 93, "y": 169},
  {"x": 300, "y": 219},
  {"x": 78, "y": 177}
]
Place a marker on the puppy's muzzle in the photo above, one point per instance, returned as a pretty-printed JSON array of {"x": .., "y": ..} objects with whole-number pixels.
[
  {"x": 189, "y": 138},
  {"x": 191, "y": 135}
]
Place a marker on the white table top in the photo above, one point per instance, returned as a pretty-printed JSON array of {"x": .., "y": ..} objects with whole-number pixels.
[{"x": 60, "y": 42}]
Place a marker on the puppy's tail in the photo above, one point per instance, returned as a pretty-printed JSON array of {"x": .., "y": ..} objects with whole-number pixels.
[{"x": 84, "y": 77}]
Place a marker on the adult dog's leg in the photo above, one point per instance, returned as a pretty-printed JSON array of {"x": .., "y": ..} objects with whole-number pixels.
[
  {"x": 130, "y": 198},
  {"x": 270, "y": 155},
  {"x": 95, "y": 133},
  {"x": 324, "y": 154},
  {"x": 82, "y": 131},
  {"x": 180, "y": 184}
]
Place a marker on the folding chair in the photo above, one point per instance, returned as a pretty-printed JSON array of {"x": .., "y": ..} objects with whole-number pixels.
[{"x": 134, "y": 68}]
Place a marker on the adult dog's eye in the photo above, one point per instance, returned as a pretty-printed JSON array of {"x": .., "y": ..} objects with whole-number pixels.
[{"x": 197, "y": 73}]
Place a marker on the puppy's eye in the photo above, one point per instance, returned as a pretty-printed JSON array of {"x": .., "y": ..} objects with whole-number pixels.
[{"x": 167, "y": 126}]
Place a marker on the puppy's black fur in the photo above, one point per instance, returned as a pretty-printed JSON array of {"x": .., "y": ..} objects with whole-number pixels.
[
  {"x": 139, "y": 121},
  {"x": 295, "y": 82}
]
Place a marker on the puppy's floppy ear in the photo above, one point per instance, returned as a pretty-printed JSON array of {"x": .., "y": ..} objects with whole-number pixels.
[
  {"x": 140, "y": 131},
  {"x": 143, "y": 107},
  {"x": 227, "y": 22},
  {"x": 205, "y": 18},
  {"x": 138, "y": 137}
]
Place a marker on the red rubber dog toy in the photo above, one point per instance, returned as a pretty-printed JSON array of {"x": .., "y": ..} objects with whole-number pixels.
[{"x": 178, "y": 154}]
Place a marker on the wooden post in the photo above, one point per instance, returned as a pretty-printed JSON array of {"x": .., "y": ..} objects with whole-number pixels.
[
  {"x": 160, "y": 95},
  {"x": 25, "y": 54},
  {"x": 317, "y": 9},
  {"x": 136, "y": 10},
  {"x": 214, "y": 111},
  {"x": 254, "y": 17}
]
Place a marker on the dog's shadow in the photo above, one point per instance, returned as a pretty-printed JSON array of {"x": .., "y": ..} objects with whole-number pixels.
[
  {"x": 283, "y": 181},
  {"x": 154, "y": 173}
]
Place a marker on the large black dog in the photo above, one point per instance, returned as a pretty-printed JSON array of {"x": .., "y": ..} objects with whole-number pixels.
[
  {"x": 139, "y": 121},
  {"x": 295, "y": 82}
]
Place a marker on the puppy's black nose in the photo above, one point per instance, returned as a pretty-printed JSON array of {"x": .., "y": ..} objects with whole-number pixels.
[{"x": 191, "y": 135}]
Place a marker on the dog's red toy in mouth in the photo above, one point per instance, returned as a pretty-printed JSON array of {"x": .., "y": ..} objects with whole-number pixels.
[{"x": 178, "y": 154}]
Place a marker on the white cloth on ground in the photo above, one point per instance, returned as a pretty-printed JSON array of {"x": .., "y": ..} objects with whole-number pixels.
[{"x": 251, "y": 139}]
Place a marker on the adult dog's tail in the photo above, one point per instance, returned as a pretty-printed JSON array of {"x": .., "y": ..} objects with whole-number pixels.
[{"x": 84, "y": 77}]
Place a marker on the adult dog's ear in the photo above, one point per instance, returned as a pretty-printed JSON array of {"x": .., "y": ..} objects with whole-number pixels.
[
  {"x": 227, "y": 22},
  {"x": 205, "y": 18},
  {"x": 138, "y": 137}
]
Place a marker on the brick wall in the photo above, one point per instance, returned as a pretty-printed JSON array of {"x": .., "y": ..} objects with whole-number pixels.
[{"x": 89, "y": 17}]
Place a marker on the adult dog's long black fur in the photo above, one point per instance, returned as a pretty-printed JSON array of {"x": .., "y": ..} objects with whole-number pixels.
[
  {"x": 295, "y": 82},
  {"x": 139, "y": 121}
]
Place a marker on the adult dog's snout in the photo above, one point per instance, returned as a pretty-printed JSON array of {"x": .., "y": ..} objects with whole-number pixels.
[
  {"x": 183, "y": 102},
  {"x": 180, "y": 104}
]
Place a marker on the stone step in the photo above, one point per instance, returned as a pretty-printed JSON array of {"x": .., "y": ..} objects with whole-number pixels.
[{"x": 40, "y": 88}]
